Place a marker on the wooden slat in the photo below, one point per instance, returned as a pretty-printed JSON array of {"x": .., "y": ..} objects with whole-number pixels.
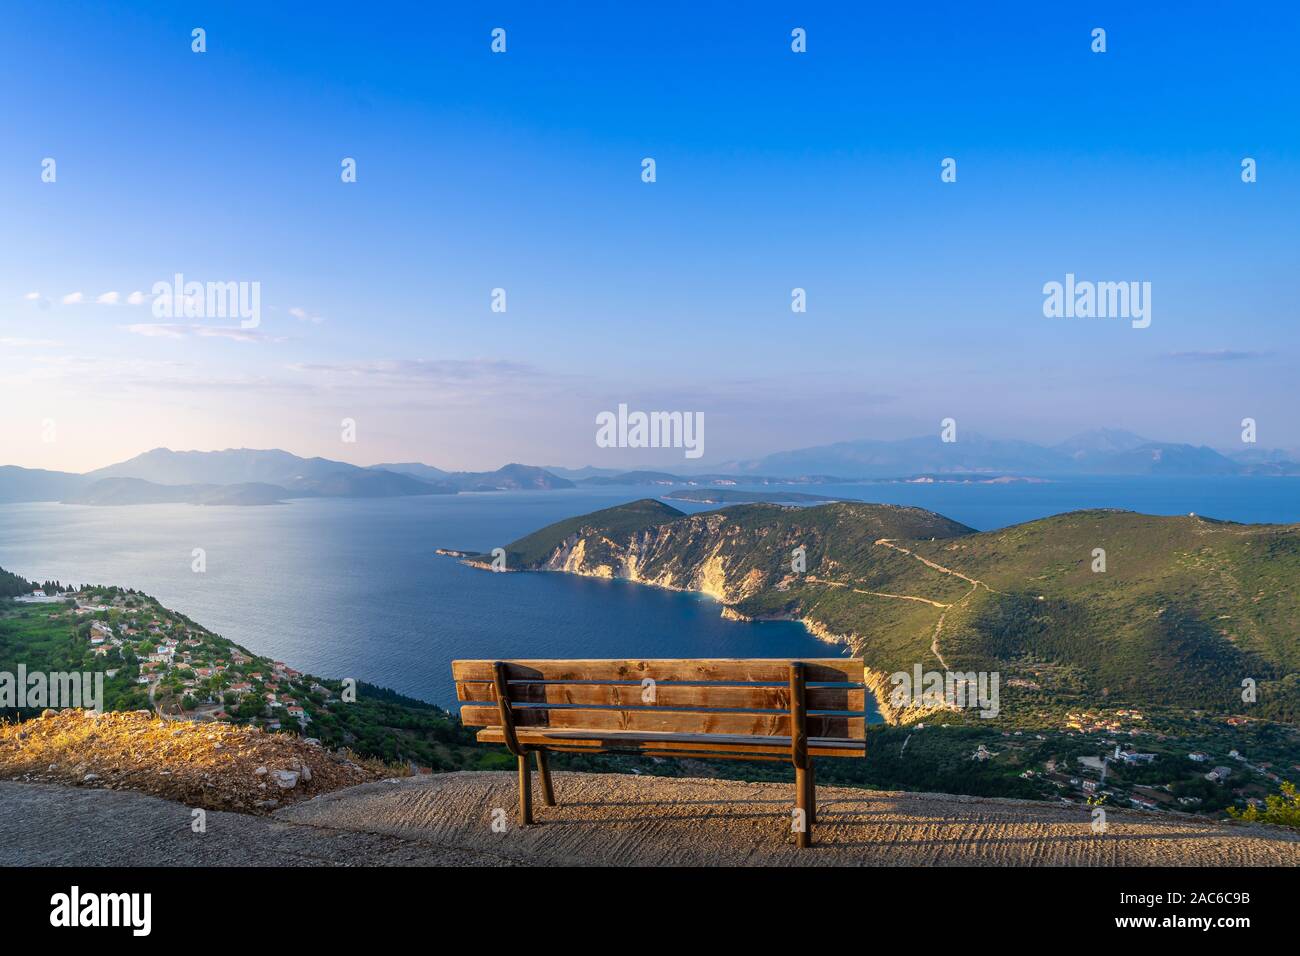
[
  {"x": 664, "y": 721},
  {"x": 676, "y": 745},
  {"x": 674, "y": 754},
  {"x": 776, "y": 671},
  {"x": 685, "y": 696}
]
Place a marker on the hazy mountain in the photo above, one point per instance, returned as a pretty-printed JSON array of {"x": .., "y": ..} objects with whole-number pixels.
[
  {"x": 37, "y": 484},
  {"x": 1101, "y": 452},
  {"x": 1156, "y": 458},
  {"x": 136, "y": 491},
  {"x": 1099, "y": 444},
  {"x": 509, "y": 478},
  {"x": 636, "y": 478},
  {"x": 512, "y": 477},
  {"x": 415, "y": 470},
  {"x": 874, "y": 458},
  {"x": 576, "y": 474},
  {"x": 364, "y": 483},
  {"x": 312, "y": 476}
]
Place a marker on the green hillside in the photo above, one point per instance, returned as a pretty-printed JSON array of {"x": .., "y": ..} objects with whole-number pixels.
[
  {"x": 528, "y": 551},
  {"x": 1185, "y": 609}
]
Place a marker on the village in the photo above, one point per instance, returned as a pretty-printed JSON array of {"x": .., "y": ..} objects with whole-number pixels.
[
  {"x": 158, "y": 659},
  {"x": 1115, "y": 758},
  {"x": 185, "y": 671}
]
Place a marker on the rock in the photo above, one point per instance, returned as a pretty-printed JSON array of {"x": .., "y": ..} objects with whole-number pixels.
[
  {"x": 260, "y": 771},
  {"x": 286, "y": 779},
  {"x": 49, "y": 712},
  {"x": 306, "y": 774},
  {"x": 89, "y": 777}
]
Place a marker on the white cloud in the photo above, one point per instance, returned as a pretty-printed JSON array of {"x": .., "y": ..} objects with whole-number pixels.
[
  {"x": 73, "y": 298},
  {"x": 302, "y": 315},
  {"x": 157, "y": 330},
  {"x": 169, "y": 330},
  {"x": 108, "y": 298},
  {"x": 32, "y": 296},
  {"x": 135, "y": 298}
]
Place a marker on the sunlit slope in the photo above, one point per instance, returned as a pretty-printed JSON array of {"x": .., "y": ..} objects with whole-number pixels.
[{"x": 1184, "y": 610}]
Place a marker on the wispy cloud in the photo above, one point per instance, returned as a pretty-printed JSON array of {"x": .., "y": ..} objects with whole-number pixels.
[
  {"x": 302, "y": 315},
  {"x": 169, "y": 330},
  {"x": 73, "y": 298},
  {"x": 1217, "y": 355},
  {"x": 108, "y": 298}
]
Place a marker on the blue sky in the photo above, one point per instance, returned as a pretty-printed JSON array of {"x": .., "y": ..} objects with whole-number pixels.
[{"x": 522, "y": 171}]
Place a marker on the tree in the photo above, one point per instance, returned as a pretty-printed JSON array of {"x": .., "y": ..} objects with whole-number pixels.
[{"x": 1280, "y": 808}]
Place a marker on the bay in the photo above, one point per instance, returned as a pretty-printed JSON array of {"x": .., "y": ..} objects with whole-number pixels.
[{"x": 353, "y": 588}]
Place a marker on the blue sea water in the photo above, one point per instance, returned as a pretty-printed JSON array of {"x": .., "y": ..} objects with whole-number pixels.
[
  {"x": 985, "y": 507},
  {"x": 353, "y": 588}
]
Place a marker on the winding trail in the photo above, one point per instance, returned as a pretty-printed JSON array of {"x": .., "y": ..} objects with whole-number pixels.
[
  {"x": 975, "y": 582},
  {"x": 902, "y": 597}
]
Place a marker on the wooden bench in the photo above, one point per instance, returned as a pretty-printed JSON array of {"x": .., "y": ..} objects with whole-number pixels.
[{"x": 708, "y": 709}]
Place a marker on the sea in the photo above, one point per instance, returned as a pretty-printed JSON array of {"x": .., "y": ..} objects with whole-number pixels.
[{"x": 354, "y": 587}]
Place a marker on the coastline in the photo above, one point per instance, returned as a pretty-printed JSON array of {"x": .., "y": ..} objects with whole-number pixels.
[{"x": 877, "y": 681}]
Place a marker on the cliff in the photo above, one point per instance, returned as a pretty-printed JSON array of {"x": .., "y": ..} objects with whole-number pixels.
[{"x": 1179, "y": 610}]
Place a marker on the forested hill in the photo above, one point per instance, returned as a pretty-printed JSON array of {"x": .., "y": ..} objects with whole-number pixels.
[
  {"x": 1080, "y": 608},
  {"x": 11, "y": 585}
]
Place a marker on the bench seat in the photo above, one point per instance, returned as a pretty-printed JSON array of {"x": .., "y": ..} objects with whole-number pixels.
[
  {"x": 733, "y": 746},
  {"x": 725, "y": 709}
]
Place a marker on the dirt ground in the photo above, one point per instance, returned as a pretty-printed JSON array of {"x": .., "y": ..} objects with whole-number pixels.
[
  {"x": 66, "y": 785},
  {"x": 214, "y": 766},
  {"x": 617, "y": 819}
]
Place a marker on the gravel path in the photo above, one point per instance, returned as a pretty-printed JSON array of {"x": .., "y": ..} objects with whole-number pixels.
[
  {"x": 54, "y": 825},
  {"x": 445, "y": 819},
  {"x": 624, "y": 819}
]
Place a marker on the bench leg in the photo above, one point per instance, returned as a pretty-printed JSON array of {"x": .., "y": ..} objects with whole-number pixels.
[
  {"x": 525, "y": 791},
  {"x": 544, "y": 769},
  {"x": 812, "y": 792},
  {"x": 802, "y": 838}
]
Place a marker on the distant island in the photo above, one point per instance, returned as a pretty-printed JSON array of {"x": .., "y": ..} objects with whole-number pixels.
[
  {"x": 243, "y": 476},
  {"x": 719, "y": 496},
  {"x": 254, "y": 477}
]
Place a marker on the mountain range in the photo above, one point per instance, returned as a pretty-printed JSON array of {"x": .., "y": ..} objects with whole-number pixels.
[
  {"x": 1100, "y": 452},
  {"x": 253, "y": 476},
  {"x": 246, "y": 476}
]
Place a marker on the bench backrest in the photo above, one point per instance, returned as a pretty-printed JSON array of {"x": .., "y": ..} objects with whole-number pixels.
[{"x": 736, "y": 697}]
